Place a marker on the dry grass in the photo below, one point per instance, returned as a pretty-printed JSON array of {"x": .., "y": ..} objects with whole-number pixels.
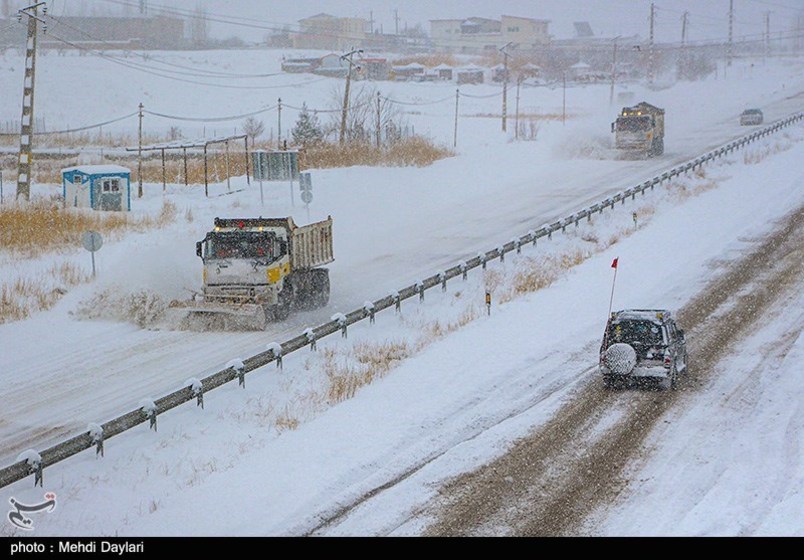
[
  {"x": 286, "y": 420},
  {"x": 35, "y": 228},
  {"x": 31, "y": 230},
  {"x": 367, "y": 362},
  {"x": 415, "y": 151},
  {"x": 24, "y": 296}
]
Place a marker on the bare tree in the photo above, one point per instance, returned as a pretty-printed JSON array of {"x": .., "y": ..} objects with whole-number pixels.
[
  {"x": 253, "y": 128},
  {"x": 362, "y": 122}
]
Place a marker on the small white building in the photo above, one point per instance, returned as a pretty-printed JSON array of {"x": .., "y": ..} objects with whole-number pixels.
[{"x": 100, "y": 187}]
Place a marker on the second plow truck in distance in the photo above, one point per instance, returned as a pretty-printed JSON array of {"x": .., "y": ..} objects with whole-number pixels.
[
  {"x": 257, "y": 269},
  {"x": 639, "y": 130}
]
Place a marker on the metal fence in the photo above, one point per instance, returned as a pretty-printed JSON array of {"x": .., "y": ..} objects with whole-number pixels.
[{"x": 95, "y": 436}]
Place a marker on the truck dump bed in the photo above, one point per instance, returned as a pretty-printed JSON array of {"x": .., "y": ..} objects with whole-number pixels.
[{"x": 311, "y": 245}]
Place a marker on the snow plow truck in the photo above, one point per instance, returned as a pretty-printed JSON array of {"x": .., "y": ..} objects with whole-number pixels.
[
  {"x": 640, "y": 130},
  {"x": 257, "y": 270}
]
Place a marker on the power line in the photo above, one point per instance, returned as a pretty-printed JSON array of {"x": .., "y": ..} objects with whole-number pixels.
[
  {"x": 195, "y": 71},
  {"x": 158, "y": 73}
]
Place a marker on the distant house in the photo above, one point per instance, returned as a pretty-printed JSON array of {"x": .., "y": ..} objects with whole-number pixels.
[
  {"x": 530, "y": 70},
  {"x": 100, "y": 187},
  {"x": 325, "y": 31},
  {"x": 374, "y": 68},
  {"x": 470, "y": 75},
  {"x": 443, "y": 71},
  {"x": 408, "y": 71},
  {"x": 300, "y": 65},
  {"x": 579, "y": 71},
  {"x": 332, "y": 65},
  {"x": 483, "y": 35}
]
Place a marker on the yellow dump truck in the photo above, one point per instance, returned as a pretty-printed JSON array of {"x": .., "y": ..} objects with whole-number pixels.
[
  {"x": 257, "y": 269},
  {"x": 640, "y": 129}
]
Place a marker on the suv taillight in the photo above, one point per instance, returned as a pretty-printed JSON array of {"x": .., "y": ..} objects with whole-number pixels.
[{"x": 667, "y": 360}]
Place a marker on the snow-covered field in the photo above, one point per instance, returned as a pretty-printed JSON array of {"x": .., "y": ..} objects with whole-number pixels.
[{"x": 468, "y": 384}]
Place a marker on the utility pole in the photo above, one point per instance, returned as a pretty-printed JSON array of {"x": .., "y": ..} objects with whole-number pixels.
[
  {"x": 27, "y": 119},
  {"x": 139, "y": 151},
  {"x": 519, "y": 79},
  {"x": 730, "y": 47},
  {"x": 613, "y": 71},
  {"x": 396, "y": 22},
  {"x": 455, "y": 130},
  {"x": 650, "y": 44},
  {"x": 767, "y": 34},
  {"x": 279, "y": 123},
  {"x": 564, "y": 99},
  {"x": 348, "y": 58},
  {"x": 379, "y": 127},
  {"x": 371, "y": 21},
  {"x": 684, "y": 21},
  {"x": 505, "y": 87},
  {"x": 682, "y": 55}
]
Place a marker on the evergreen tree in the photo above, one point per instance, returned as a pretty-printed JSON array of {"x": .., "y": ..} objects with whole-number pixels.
[{"x": 307, "y": 130}]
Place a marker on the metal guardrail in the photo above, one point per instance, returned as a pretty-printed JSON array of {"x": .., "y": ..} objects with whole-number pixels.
[{"x": 92, "y": 437}]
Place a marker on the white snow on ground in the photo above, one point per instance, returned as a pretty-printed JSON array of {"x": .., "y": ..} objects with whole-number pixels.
[{"x": 276, "y": 456}]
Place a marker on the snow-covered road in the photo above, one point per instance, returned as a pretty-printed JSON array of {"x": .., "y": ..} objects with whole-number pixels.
[{"x": 393, "y": 226}]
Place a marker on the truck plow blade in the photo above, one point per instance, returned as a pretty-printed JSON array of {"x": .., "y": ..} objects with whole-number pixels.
[{"x": 219, "y": 316}]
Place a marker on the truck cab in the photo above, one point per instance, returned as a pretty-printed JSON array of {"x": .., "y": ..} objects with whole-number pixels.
[{"x": 640, "y": 129}]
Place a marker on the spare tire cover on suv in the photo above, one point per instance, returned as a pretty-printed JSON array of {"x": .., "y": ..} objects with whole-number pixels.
[{"x": 620, "y": 358}]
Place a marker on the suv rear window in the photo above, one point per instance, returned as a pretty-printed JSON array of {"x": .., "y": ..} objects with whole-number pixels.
[{"x": 630, "y": 331}]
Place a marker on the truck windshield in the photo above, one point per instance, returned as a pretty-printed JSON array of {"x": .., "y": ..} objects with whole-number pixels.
[
  {"x": 632, "y": 331},
  {"x": 243, "y": 245},
  {"x": 633, "y": 124}
]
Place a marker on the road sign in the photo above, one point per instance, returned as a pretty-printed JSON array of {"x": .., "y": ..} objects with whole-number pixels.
[
  {"x": 92, "y": 241},
  {"x": 305, "y": 182},
  {"x": 307, "y": 197}
]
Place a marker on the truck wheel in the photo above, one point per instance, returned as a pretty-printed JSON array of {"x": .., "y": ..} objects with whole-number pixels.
[
  {"x": 319, "y": 284},
  {"x": 279, "y": 311}
]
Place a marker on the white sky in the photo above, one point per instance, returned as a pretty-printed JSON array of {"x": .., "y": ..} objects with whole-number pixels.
[{"x": 708, "y": 18}]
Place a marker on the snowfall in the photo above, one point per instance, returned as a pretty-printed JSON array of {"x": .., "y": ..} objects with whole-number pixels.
[{"x": 280, "y": 455}]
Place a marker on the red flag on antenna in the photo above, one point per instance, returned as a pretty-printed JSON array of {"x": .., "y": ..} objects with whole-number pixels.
[{"x": 614, "y": 262}]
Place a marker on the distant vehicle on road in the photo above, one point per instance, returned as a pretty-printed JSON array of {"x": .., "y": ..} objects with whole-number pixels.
[
  {"x": 640, "y": 130},
  {"x": 642, "y": 344},
  {"x": 751, "y": 117}
]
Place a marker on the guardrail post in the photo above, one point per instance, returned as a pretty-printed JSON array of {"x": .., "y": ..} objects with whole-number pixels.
[
  {"x": 276, "y": 349},
  {"x": 34, "y": 462},
  {"x": 462, "y": 268},
  {"x": 532, "y": 235},
  {"x": 38, "y": 474},
  {"x": 420, "y": 289},
  {"x": 368, "y": 309},
  {"x": 148, "y": 408},
  {"x": 240, "y": 369},
  {"x": 310, "y": 334},
  {"x": 501, "y": 252},
  {"x": 482, "y": 257},
  {"x": 96, "y": 436},
  {"x": 517, "y": 245},
  {"x": 340, "y": 318},
  {"x": 443, "y": 279},
  {"x": 397, "y": 301}
]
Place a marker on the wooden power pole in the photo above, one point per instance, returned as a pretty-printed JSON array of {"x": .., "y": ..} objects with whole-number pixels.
[{"x": 27, "y": 119}]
